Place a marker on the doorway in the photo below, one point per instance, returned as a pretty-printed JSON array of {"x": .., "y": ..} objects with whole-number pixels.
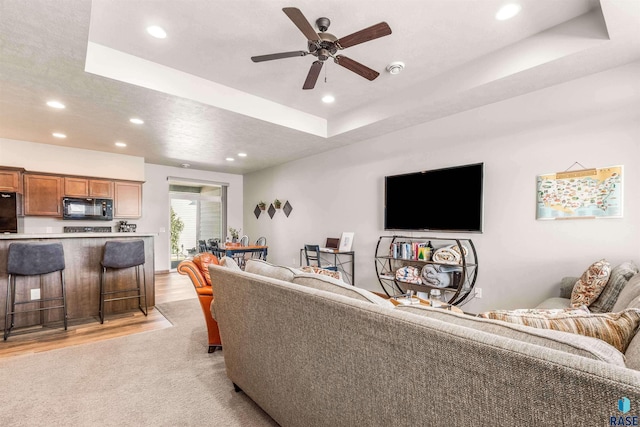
[{"x": 198, "y": 214}]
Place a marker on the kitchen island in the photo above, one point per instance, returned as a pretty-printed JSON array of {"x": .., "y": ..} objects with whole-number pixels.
[{"x": 82, "y": 255}]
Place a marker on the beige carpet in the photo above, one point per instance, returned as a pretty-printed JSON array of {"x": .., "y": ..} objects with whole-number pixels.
[{"x": 157, "y": 378}]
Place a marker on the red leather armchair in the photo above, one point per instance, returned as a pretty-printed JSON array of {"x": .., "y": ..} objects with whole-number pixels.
[{"x": 198, "y": 271}]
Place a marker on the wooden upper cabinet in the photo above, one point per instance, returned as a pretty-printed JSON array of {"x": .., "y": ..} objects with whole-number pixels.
[
  {"x": 11, "y": 179},
  {"x": 76, "y": 187},
  {"x": 127, "y": 201},
  {"x": 43, "y": 195},
  {"x": 84, "y": 187},
  {"x": 100, "y": 188}
]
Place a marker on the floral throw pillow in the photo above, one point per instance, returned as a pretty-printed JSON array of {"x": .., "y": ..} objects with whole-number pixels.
[
  {"x": 323, "y": 271},
  {"x": 591, "y": 283}
]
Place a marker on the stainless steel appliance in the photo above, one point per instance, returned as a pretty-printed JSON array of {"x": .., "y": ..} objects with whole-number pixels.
[
  {"x": 86, "y": 229},
  {"x": 87, "y": 208},
  {"x": 11, "y": 220}
]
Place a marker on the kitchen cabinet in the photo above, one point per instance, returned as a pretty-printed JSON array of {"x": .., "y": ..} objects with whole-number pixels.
[
  {"x": 11, "y": 179},
  {"x": 43, "y": 195},
  {"x": 127, "y": 200},
  {"x": 85, "y": 187}
]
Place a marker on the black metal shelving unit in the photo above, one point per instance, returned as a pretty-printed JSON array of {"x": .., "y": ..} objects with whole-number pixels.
[{"x": 461, "y": 285}]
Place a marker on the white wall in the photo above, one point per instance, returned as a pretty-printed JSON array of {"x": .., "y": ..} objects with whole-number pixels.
[
  {"x": 594, "y": 120},
  {"x": 156, "y": 204}
]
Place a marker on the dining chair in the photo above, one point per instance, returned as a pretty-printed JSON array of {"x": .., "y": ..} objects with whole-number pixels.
[
  {"x": 243, "y": 256},
  {"x": 312, "y": 255},
  {"x": 262, "y": 241}
]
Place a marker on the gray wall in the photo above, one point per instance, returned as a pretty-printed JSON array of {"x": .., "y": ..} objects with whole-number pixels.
[{"x": 594, "y": 121}]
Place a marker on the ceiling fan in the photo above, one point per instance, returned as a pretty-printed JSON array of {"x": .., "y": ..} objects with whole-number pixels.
[{"x": 324, "y": 45}]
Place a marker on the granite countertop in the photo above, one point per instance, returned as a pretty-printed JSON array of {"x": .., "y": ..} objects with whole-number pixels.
[{"x": 26, "y": 236}]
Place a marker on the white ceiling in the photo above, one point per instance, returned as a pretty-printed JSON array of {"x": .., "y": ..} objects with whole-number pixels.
[{"x": 203, "y": 99}]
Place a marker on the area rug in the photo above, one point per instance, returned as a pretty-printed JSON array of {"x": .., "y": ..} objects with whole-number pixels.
[{"x": 156, "y": 378}]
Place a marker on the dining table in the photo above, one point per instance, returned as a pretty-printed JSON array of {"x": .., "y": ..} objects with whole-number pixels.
[{"x": 236, "y": 250}]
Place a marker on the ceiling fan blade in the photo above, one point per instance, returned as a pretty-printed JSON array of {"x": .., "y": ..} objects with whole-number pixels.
[
  {"x": 370, "y": 33},
  {"x": 273, "y": 56},
  {"x": 312, "y": 77},
  {"x": 301, "y": 22},
  {"x": 357, "y": 67}
]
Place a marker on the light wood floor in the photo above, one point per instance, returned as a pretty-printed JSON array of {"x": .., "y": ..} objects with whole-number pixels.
[{"x": 168, "y": 287}]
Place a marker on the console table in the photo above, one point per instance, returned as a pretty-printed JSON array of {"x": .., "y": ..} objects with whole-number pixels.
[{"x": 343, "y": 260}]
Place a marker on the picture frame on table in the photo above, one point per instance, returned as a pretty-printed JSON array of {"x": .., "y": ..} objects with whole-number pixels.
[{"x": 346, "y": 241}]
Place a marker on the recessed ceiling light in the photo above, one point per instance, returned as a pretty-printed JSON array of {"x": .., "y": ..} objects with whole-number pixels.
[
  {"x": 508, "y": 11},
  {"x": 242, "y": 154},
  {"x": 229, "y": 159},
  {"x": 55, "y": 104},
  {"x": 120, "y": 144},
  {"x": 395, "y": 67},
  {"x": 157, "y": 32},
  {"x": 328, "y": 99},
  {"x": 59, "y": 135},
  {"x": 136, "y": 120}
]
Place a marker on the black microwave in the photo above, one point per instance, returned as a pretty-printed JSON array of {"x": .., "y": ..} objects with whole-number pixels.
[{"x": 81, "y": 208}]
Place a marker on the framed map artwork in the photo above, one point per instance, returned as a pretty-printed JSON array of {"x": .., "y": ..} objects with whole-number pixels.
[{"x": 586, "y": 193}]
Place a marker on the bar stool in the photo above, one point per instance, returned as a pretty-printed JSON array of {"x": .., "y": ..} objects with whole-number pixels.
[
  {"x": 119, "y": 255},
  {"x": 33, "y": 259}
]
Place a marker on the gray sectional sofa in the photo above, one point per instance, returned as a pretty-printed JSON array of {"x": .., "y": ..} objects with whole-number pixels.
[{"x": 311, "y": 351}]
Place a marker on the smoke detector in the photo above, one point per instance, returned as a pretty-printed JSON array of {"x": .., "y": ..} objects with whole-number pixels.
[{"x": 395, "y": 67}]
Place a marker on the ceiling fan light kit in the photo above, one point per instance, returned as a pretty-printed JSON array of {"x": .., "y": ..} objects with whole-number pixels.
[{"x": 325, "y": 45}]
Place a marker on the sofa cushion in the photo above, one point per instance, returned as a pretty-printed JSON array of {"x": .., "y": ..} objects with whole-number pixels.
[
  {"x": 620, "y": 274},
  {"x": 263, "y": 268},
  {"x": 230, "y": 263},
  {"x": 635, "y": 303},
  {"x": 633, "y": 353},
  {"x": 555, "y": 303},
  {"x": 618, "y": 329},
  {"x": 320, "y": 270},
  {"x": 566, "y": 286},
  {"x": 571, "y": 343},
  {"x": 630, "y": 292},
  {"x": 326, "y": 283},
  {"x": 202, "y": 261},
  {"x": 591, "y": 283}
]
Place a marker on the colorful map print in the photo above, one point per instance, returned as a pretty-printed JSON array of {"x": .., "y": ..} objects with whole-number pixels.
[{"x": 580, "y": 194}]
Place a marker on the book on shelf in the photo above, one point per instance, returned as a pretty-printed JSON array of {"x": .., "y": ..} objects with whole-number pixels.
[{"x": 410, "y": 250}]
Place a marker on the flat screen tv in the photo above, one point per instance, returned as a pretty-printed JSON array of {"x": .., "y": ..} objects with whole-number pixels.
[{"x": 448, "y": 199}]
